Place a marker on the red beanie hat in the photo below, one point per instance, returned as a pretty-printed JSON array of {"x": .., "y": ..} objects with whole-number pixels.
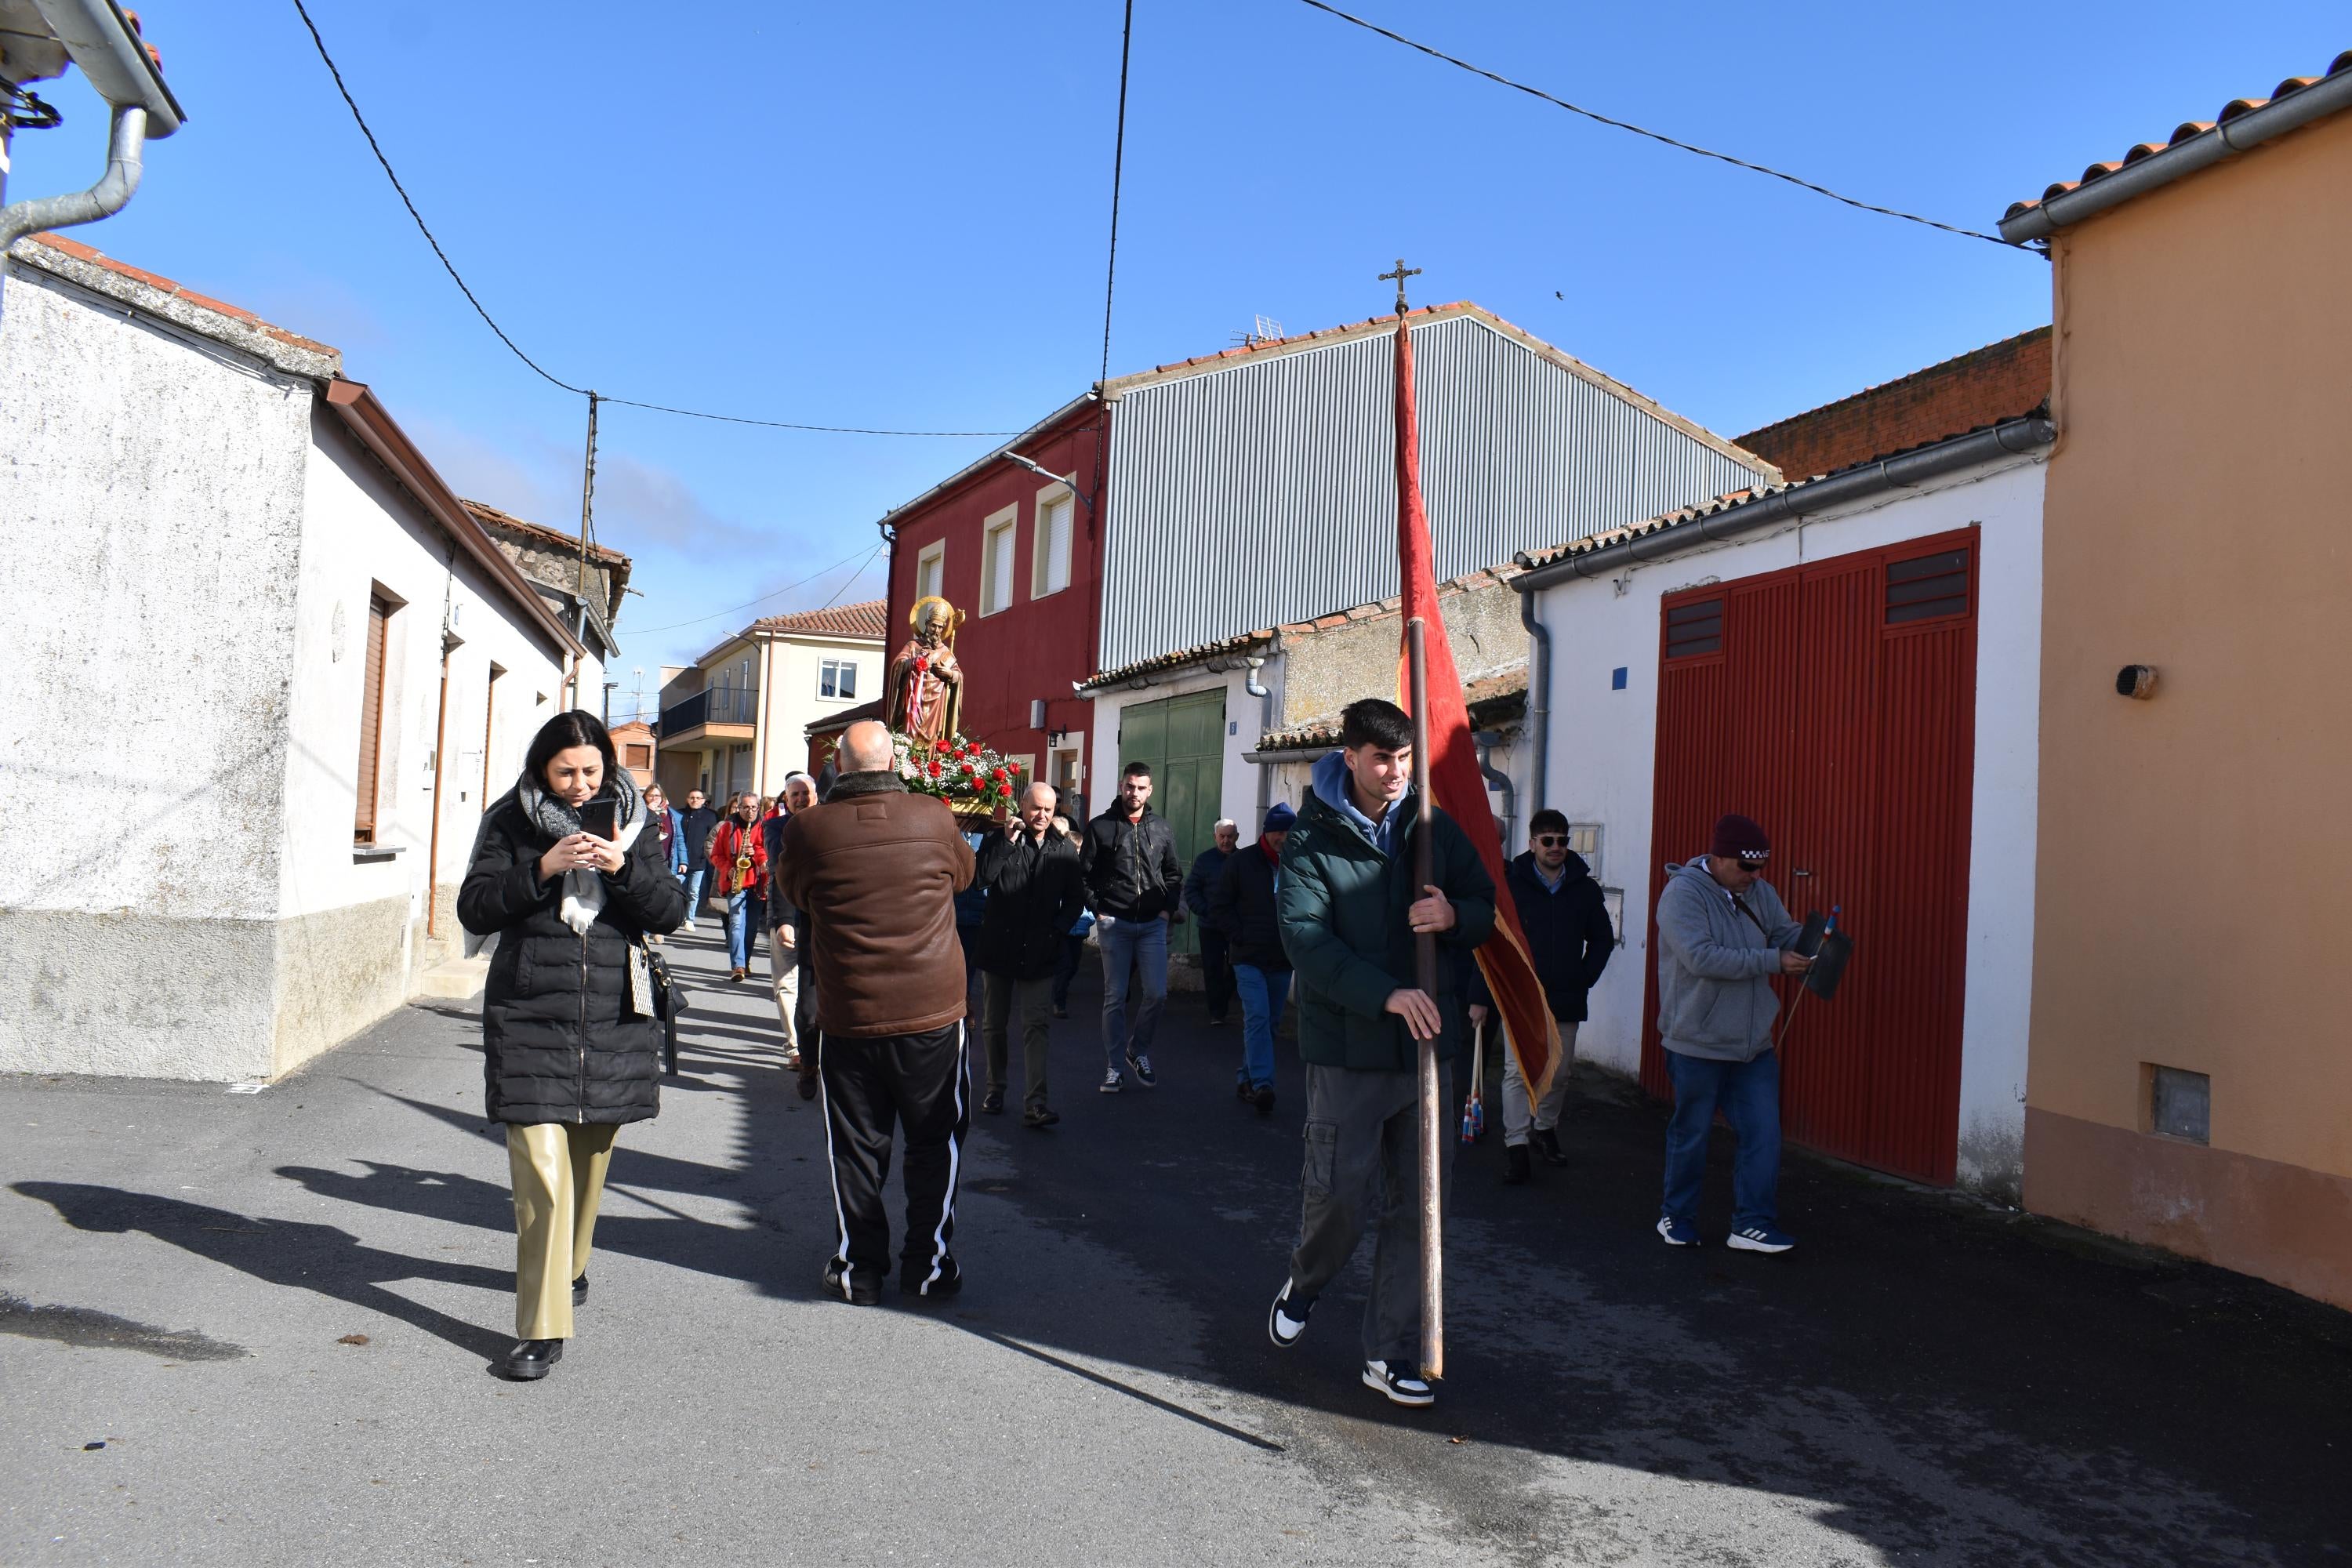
[{"x": 1738, "y": 838}]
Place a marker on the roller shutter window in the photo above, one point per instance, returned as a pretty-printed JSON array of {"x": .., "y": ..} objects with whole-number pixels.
[{"x": 363, "y": 821}]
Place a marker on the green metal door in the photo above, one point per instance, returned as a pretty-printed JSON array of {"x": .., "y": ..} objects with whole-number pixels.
[{"x": 1182, "y": 739}]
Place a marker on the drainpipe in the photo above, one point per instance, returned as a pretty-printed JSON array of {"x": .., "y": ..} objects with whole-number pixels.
[
  {"x": 1264, "y": 694},
  {"x": 1486, "y": 740},
  {"x": 440, "y": 768},
  {"x": 124, "y": 148},
  {"x": 1539, "y": 729}
]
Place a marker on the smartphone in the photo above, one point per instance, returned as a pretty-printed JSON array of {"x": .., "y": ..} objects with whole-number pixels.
[{"x": 598, "y": 817}]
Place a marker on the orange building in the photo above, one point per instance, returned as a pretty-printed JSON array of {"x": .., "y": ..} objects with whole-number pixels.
[{"x": 2190, "y": 1078}]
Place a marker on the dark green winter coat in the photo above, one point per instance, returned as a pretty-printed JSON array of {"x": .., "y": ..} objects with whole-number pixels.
[{"x": 1342, "y": 905}]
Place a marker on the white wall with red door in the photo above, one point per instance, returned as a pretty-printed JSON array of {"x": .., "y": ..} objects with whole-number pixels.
[{"x": 1866, "y": 684}]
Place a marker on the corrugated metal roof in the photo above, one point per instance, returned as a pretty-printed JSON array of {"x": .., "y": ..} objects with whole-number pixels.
[{"x": 1258, "y": 491}]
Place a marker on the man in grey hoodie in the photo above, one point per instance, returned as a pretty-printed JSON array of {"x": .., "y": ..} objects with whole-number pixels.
[{"x": 1722, "y": 934}]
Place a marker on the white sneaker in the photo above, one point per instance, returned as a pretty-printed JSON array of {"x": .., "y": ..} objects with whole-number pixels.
[
  {"x": 1405, "y": 1384},
  {"x": 1286, "y": 1319},
  {"x": 687, "y": 928}
]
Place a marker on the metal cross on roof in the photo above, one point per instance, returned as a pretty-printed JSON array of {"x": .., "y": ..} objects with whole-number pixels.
[{"x": 1398, "y": 276}]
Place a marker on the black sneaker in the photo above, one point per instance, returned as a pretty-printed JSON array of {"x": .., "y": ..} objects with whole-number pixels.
[
  {"x": 917, "y": 1281},
  {"x": 992, "y": 1102},
  {"x": 1516, "y": 1167},
  {"x": 1402, "y": 1383},
  {"x": 1546, "y": 1142},
  {"x": 530, "y": 1360},
  {"x": 1286, "y": 1319},
  {"x": 1061, "y": 1012},
  {"x": 1262, "y": 1098},
  {"x": 1141, "y": 1067},
  {"x": 1040, "y": 1116},
  {"x": 858, "y": 1287},
  {"x": 1242, "y": 1092},
  {"x": 580, "y": 1290}
]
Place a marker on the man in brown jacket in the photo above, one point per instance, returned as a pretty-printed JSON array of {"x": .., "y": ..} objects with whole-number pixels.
[{"x": 877, "y": 870}]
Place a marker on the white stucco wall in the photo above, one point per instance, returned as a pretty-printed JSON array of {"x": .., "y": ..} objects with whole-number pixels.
[
  {"x": 1243, "y": 723},
  {"x": 151, "y": 483},
  {"x": 178, "y": 736},
  {"x": 1604, "y": 748}
]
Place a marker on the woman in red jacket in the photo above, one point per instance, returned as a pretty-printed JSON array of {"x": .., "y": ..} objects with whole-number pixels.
[{"x": 738, "y": 857}]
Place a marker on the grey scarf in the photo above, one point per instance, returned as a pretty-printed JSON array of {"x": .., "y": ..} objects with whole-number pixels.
[{"x": 584, "y": 890}]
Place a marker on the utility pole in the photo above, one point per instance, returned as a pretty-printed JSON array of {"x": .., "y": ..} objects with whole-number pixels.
[{"x": 587, "y": 515}]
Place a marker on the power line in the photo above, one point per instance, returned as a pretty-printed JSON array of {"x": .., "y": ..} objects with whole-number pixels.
[
  {"x": 1659, "y": 136},
  {"x": 451, "y": 268},
  {"x": 853, "y": 577},
  {"x": 735, "y": 609},
  {"x": 1117, "y": 168}
]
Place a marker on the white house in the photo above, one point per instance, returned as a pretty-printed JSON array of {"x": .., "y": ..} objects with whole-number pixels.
[
  {"x": 1854, "y": 661},
  {"x": 264, "y": 672}
]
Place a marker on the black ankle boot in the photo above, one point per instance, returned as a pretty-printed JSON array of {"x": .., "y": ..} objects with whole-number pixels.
[{"x": 530, "y": 1359}]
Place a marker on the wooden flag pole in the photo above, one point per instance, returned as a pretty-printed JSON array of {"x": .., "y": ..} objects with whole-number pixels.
[{"x": 1424, "y": 958}]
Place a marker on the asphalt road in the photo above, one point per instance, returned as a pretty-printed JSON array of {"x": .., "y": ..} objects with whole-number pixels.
[{"x": 276, "y": 1313}]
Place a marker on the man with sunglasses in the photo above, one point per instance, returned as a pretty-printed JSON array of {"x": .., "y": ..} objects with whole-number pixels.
[
  {"x": 1722, "y": 935},
  {"x": 1569, "y": 939}
]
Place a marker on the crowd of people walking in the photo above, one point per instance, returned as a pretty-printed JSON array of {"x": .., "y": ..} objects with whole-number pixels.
[{"x": 896, "y": 934}]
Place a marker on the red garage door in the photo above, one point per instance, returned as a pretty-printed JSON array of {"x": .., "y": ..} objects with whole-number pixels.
[{"x": 1835, "y": 703}]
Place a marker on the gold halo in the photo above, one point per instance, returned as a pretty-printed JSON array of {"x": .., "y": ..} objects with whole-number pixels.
[{"x": 914, "y": 615}]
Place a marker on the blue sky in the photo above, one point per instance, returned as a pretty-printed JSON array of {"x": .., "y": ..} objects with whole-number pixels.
[{"x": 896, "y": 215}]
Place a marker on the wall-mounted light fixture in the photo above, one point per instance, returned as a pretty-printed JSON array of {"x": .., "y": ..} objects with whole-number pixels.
[{"x": 2136, "y": 681}]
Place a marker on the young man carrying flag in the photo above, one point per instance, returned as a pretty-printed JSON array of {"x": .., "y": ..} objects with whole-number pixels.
[{"x": 1385, "y": 995}]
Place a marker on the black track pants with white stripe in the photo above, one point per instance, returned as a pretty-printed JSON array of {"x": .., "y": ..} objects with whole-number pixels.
[{"x": 919, "y": 1083}]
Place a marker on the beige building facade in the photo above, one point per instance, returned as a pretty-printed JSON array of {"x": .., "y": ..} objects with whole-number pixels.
[
  {"x": 738, "y": 718},
  {"x": 2190, "y": 1077}
]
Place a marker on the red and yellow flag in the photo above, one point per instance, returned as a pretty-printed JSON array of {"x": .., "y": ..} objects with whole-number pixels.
[{"x": 1454, "y": 775}]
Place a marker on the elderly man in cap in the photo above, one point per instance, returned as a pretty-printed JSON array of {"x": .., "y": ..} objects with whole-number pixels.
[
  {"x": 1722, "y": 934},
  {"x": 1242, "y": 905}
]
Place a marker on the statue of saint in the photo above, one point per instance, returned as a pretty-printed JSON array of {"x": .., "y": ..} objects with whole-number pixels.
[{"x": 926, "y": 690}]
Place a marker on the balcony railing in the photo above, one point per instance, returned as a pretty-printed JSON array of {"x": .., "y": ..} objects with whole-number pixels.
[{"x": 725, "y": 705}]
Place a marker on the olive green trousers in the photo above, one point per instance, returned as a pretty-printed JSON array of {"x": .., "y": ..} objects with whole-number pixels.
[{"x": 558, "y": 1179}]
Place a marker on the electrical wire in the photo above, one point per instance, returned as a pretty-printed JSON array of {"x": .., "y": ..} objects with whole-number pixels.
[
  {"x": 1117, "y": 168},
  {"x": 488, "y": 320},
  {"x": 1659, "y": 136},
  {"x": 774, "y": 593},
  {"x": 853, "y": 577}
]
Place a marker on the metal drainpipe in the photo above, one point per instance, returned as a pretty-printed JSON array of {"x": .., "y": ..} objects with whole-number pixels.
[
  {"x": 440, "y": 770},
  {"x": 1539, "y": 729},
  {"x": 1486, "y": 740},
  {"x": 125, "y": 144},
  {"x": 1264, "y": 694}
]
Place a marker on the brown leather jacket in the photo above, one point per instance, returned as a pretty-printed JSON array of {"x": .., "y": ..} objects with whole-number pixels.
[{"x": 877, "y": 870}]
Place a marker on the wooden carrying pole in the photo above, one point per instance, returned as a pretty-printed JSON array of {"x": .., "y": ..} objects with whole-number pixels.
[{"x": 1424, "y": 960}]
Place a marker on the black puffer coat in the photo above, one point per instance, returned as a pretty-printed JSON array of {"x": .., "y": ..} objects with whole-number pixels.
[
  {"x": 1243, "y": 907},
  {"x": 560, "y": 1041},
  {"x": 1035, "y": 893}
]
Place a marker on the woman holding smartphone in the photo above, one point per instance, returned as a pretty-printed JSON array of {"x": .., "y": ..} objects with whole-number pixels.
[{"x": 568, "y": 877}]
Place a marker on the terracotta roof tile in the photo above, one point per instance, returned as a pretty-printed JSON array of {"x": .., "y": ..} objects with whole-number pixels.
[
  {"x": 866, "y": 618},
  {"x": 491, "y": 517},
  {"x": 95, "y": 258},
  {"x": 2235, "y": 109}
]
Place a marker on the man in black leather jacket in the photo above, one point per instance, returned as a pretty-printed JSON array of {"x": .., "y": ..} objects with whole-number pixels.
[{"x": 1134, "y": 883}]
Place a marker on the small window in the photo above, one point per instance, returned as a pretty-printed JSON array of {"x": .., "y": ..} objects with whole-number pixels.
[
  {"x": 931, "y": 570},
  {"x": 2180, "y": 1104},
  {"x": 1693, "y": 629},
  {"x": 639, "y": 756},
  {"x": 371, "y": 758},
  {"x": 837, "y": 678},
  {"x": 1050, "y": 572},
  {"x": 996, "y": 561},
  {"x": 1927, "y": 586}
]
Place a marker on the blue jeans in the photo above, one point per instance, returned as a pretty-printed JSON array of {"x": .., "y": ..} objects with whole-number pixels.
[
  {"x": 1263, "y": 992},
  {"x": 695, "y": 881},
  {"x": 1143, "y": 946},
  {"x": 1749, "y": 1095},
  {"x": 747, "y": 912}
]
